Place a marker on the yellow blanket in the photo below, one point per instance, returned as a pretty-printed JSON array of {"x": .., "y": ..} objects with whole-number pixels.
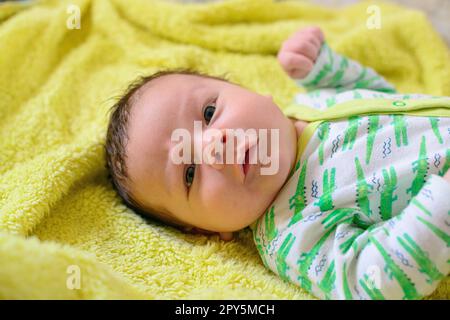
[{"x": 64, "y": 233}]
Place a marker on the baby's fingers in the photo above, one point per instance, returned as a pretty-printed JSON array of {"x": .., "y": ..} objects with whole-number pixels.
[
  {"x": 302, "y": 46},
  {"x": 317, "y": 34},
  {"x": 295, "y": 65}
]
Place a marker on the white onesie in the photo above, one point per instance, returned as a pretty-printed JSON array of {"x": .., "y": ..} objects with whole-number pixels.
[{"x": 365, "y": 214}]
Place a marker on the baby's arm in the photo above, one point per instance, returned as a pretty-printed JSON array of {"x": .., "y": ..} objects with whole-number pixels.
[
  {"x": 335, "y": 254},
  {"x": 307, "y": 58}
]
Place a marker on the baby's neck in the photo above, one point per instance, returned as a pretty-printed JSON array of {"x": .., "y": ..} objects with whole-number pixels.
[{"x": 299, "y": 125}]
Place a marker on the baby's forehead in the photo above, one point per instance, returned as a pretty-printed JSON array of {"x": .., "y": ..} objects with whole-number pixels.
[
  {"x": 165, "y": 93},
  {"x": 176, "y": 82},
  {"x": 170, "y": 93},
  {"x": 158, "y": 110}
]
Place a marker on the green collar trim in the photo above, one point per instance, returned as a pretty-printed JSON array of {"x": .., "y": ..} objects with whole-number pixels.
[{"x": 439, "y": 106}]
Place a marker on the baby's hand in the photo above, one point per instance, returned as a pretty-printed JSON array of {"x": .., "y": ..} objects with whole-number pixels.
[{"x": 299, "y": 52}]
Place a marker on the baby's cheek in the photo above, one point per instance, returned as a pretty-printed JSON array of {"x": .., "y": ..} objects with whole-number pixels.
[{"x": 218, "y": 197}]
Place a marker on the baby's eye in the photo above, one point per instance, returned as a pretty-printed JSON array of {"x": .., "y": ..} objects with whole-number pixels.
[
  {"x": 208, "y": 112},
  {"x": 189, "y": 175}
]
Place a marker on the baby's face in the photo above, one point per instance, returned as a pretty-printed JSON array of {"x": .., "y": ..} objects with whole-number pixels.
[{"x": 220, "y": 198}]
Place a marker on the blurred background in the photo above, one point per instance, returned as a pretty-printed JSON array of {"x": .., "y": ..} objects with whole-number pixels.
[{"x": 438, "y": 11}]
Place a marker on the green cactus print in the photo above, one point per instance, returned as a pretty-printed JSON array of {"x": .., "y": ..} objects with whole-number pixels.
[
  {"x": 372, "y": 132},
  {"x": 260, "y": 246},
  {"x": 434, "y": 125},
  {"x": 297, "y": 165},
  {"x": 393, "y": 270},
  {"x": 327, "y": 255},
  {"x": 340, "y": 89},
  {"x": 314, "y": 94},
  {"x": 365, "y": 83},
  {"x": 326, "y": 69},
  {"x": 337, "y": 216},
  {"x": 331, "y": 102},
  {"x": 298, "y": 200},
  {"x": 438, "y": 232},
  {"x": 446, "y": 164},
  {"x": 325, "y": 201},
  {"x": 347, "y": 291},
  {"x": 401, "y": 134},
  {"x": 420, "y": 166},
  {"x": 351, "y": 132},
  {"x": 387, "y": 194},
  {"x": 419, "y": 205},
  {"x": 356, "y": 95},
  {"x": 282, "y": 254},
  {"x": 373, "y": 292},
  {"x": 386, "y": 231},
  {"x": 426, "y": 266},
  {"x": 327, "y": 283},
  {"x": 350, "y": 242},
  {"x": 270, "y": 226},
  {"x": 362, "y": 190},
  {"x": 320, "y": 75},
  {"x": 291, "y": 173},
  {"x": 360, "y": 223},
  {"x": 359, "y": 80},
  {"x": 337, "y": 78},
  {"x": 323, "y": 133},
  {"x": 307, "y": 258},
  {"x": 262, "y": 253}
]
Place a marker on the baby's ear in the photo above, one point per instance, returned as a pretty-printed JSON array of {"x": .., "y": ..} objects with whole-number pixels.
[{"x": 226, "y": 236}]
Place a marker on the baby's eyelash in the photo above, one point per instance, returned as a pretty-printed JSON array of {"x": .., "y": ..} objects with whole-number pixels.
[
  {"x": 205, "y": 107},
  {"x": 213, "y": 102},
  {"x": 185, "y": 176}
]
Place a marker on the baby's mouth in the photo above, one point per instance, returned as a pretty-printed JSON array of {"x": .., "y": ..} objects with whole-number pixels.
[{"x": 246, "y": 165}]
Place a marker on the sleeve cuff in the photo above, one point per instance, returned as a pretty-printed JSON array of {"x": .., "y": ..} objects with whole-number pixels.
[{"x": 318, "y": 65}]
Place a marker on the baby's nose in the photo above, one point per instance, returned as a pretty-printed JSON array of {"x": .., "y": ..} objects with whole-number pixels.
[{"x": 214, "y": 147}]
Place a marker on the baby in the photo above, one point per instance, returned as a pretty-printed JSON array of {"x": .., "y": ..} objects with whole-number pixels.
[{"x": 358, "y": 206}]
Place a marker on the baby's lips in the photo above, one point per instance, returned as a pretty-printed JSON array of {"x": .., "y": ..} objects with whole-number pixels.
[{"x": 244, "y": 147}]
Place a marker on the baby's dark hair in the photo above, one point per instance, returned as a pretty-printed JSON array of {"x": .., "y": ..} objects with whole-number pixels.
[{"x": 116, "y": 141}]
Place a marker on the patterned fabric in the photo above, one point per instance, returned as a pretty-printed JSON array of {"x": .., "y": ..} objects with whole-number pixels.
[{"x": 366, "y": 214}]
